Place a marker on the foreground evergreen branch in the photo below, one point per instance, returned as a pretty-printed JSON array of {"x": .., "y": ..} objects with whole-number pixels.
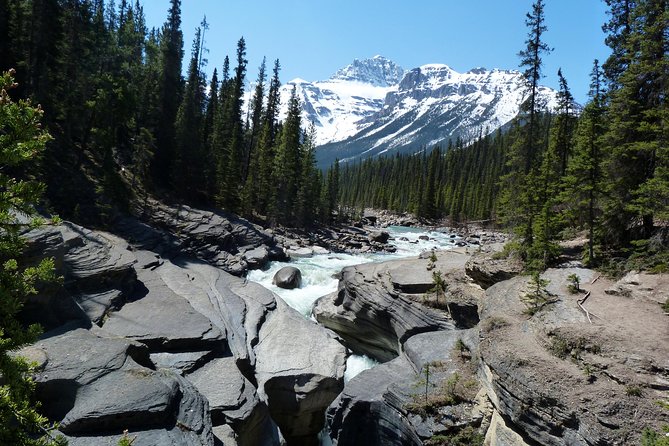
[{"x": 21, "y": 140}]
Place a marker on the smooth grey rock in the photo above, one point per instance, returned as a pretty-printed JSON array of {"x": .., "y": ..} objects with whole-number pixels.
[
  {"x": 300, "y": 370},
  {"x": 162, "y": 319},
  {"x": 372, "y": 315},
  {"x": 379, "y": 236},
  {"x": 183, "y": 362},
  {"x": 130, "y": 397},
  {"x": 256, "y": 258},
  {"x": 288, "y": 278},
  {"x": 233, "y": 401},
  {"x": 371, "y": 411},
  {"x": 216, "y": 237},
  {"x": 95, "y": 385}
]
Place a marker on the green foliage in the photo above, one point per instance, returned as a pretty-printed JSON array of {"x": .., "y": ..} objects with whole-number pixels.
[
  {"x": 634, "y": 391},
  {"x": 538, "y": 296},
  {"x": 126, "y": 440},
  {"x": 650, "y": 437},
  {"x": 574, "y": 283},
  {"x": 21, "y": 141},
  {"x": 468, "y": 436}
]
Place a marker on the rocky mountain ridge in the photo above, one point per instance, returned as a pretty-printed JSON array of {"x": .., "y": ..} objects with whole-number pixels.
[{"x": 374, "y": 106}]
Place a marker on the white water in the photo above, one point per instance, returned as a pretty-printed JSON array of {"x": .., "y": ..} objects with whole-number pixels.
[{"x": 318, "y": 275}]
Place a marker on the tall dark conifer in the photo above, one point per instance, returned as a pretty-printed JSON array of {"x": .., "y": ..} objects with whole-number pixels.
[{"x": 171, "y": 48}]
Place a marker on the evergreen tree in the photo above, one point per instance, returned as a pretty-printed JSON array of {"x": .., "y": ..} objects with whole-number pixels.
[
  {"x": 21, "y": 142},
  {"x": 287, "y": 170},
  {"x": 170, "y": 87},
  {"x": 232, "y": 173},
  {"x": 584, "y": 179},
  {"x": 522, "y": 184},
  {"x": 188, "y": 161},
  {"x": 638, "y": 131}
]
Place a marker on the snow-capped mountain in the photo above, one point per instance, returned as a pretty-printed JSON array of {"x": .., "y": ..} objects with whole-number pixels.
[
  {"x": 353, "y": 93},
  {"x": 373, "y": 106}
]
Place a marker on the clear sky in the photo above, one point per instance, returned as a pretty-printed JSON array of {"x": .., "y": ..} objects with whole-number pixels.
[{"x": 314, "y": 38}]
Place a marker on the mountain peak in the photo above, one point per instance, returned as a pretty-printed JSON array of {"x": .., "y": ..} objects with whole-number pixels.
[{"x": 378, "y": 71}]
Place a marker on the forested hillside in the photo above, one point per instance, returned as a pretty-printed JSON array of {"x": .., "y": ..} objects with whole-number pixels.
[
  {"x": 125, "y": 120},
  {"x": 605, "y": 169}
]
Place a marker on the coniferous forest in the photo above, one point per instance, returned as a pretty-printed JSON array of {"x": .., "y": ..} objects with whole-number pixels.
[{"x": 124, "y": 119}]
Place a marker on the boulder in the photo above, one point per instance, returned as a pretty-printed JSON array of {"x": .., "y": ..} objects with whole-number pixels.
[
  {"x": 256, "y": 258},
  {"x": 96, "y": 386},
  {"x": 379, "y": 236},
  {"x": 233, "y": 401},
  {"x": 288, "y": 278},
  {"x": 300, "y": 370}
]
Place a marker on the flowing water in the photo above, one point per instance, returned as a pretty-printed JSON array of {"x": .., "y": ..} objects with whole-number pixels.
[{"x": 319, "y": 275}]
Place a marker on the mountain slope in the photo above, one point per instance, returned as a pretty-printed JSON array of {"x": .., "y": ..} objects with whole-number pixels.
[
  {"x": 431, "y": 105},
  {"x": 338, "y": 105}
]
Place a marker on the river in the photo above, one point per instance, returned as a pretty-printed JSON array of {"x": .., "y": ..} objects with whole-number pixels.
[{"x": 319, "y": 275}]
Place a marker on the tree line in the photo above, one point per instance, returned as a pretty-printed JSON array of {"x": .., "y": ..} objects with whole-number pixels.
[
  {"x": 124, "y": 118},
  {"x": 604, "y": 168}
]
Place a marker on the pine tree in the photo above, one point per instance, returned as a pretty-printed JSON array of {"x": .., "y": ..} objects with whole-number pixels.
[
  {"x": 638, "y": 135},
  {"x": 188, "y": 160},
  {"x": 232, "y": 173},
  {"x": 170, "y": 87},
  {"x": 287, "y": 169},
  {"x": 584, "y": 179},
  {"x": 266, "y": 144},
  {"x": 522, "y": 185},
  {"x": 22, "y": 141}
]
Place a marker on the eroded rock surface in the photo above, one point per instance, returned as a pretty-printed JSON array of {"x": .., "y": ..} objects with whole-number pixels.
[
  {"x": 559, "y": 378},
  {"x": 375, "y": 309}
]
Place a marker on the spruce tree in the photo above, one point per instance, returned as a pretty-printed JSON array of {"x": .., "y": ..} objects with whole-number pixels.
[
  {"x": 638, "y": 135},
  {"x": 232, "y": 173},
  {"x": 22, "y": 141},
  {"x": 170, "y": 87},
  {"x": 187, "y": 163},
  {"x": 584, "y": 179}
]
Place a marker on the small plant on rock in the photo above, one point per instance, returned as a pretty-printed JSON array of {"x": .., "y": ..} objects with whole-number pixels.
[
  {"x": 538, "y": 295},
  {"x": 633, "y": 391},
  {"x": 126, "y": 440},
  {"x": 432, "y": 261},
  {"x": 574, "y": 283}
]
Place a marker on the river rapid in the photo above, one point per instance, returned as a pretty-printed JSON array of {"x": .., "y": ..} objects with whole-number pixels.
[{"x": 319, "y": 274}]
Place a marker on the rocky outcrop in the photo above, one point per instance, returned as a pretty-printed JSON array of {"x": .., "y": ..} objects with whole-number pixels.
[
  {"x": 234, "y": 402},
  {"x": 486, "y": 269},
  {"x": 169, "y": 321},
  {"x": 384, "y": 405},
  {"x": 220, "y": 238},
  {"x": 300, "y": 370},
  {"x": 96, "y": 384},
  {"x": 564, "y": 376},
  {"x": 97, "y": 270},
  {"x": 375, "y": 310},
  {"x": 288, "y": 278}
]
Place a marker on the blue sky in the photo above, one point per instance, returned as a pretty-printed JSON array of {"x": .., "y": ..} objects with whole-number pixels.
[{"x": 314, "y": 38}]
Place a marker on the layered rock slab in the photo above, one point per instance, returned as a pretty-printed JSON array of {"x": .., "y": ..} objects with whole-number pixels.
[
  {"x": 376, "y": 308},
  {"x": 96, "y": 386}
]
